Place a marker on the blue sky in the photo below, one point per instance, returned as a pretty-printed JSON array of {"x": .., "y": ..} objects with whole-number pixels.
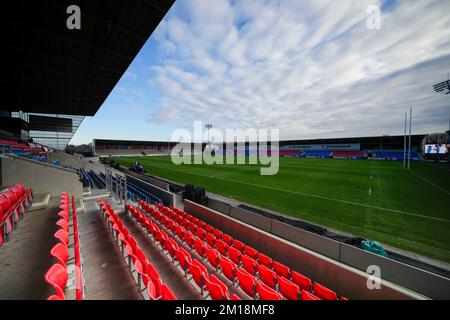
[{"x": 310, "y": 68}]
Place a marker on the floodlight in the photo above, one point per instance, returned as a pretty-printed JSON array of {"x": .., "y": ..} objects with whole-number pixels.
[
  {"x": 442, "y": 87},
  {"x": 208, "y": 126}
]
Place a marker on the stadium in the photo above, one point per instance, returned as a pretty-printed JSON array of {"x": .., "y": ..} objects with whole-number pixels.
[{"x": 347, "y": 217}]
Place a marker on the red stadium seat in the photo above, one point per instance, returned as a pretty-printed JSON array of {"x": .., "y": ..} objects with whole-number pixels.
[
  {"x": 217, "y": 233},
  {"x": 199, "y": 247},
  {"x": 213, "y": 256},
  {"x": 63, "y": 224},
  {"x": 198, "y": 272},
  {"x": 183, "y": 259},
  {"x": 216, "y": 288},
  {"x": 157, "y": 233},
  {"x": 185, "y": 224},
  {"x": 11, "y": 196},
  {"x": 64, "y": 214},
  {"x": 249, "y": 264},
  {"x": 142, "y": 274},
  {"x": 60, "y": 252},
  {"x": 9, "y": 223},
  {"x": 133, "y": 243},
  {"x": 267, "y": 293},
  {"x": 141, "y": 256},
  {"x": 166, "y": 293},
  {"x": 252, "y": 253},
  {"x": 179, "y": 231},
  {"x": 62, "y": 236},
  {"x": 209, "y": 228},
  {"x": 123, "y": 241},
  {"x": 210, "y": 239},
  {"x": 164, "y": 220},
  {"x": 235, "y": 297},
  {"x": 164, "y": 238},
  {"x": 222, "y": 247},
  {"x": 247, "y": 282},
  {"x": 238, "y": 245},
  {"x": 228, "y": 239},
  {"x": 171, "y": 247},
  {"x": 201, "y": 224},
  {"x": 56, "y": 276},
  {"x": 154, "y": 231},
  {"x": 154, "y": 277},
  {"x": 201, "y": 233},
  {"x": 265, "y": 260},
  {"x": 20, "y": 189},
  {"x": 303, "y": 282},
  {"x": 130, "y": 254},
  {"x": 152, "y": 291},
  {"x": 281, "y": 269},
  {"x": 145, "y": 224},
  {"x": 323, "y": 292},
  {"x": 288, "y": 289},
  {"x": 189, "y": 239},
  {"x": 193, "y": 228},
  {"x": 116, "y": 228},
  {"x": 5, "y": 203},
  {"x": 267, "y": 275},
  {"x": 308, "y": 296},
  {"x": 54, "y": 297},
  {"x": 228, "y": 268},
  {"x": 235, "y": 255},
  {"x": 126, "y": 234}
]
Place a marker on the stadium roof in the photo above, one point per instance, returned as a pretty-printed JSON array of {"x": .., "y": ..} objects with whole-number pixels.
[
  {"x": 362, "y": 140},
  {"x": 51, "y": 69},
  {"x": 129, "y": 142},
  {"x": 365, "y": 141}
]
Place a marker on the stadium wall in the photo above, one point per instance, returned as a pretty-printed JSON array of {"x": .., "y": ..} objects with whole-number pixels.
[
  {"x": 167, "y": 197},
  {"x": 75, "y": 162},
  {"x": 97, "y": 167},
  {"x": 251, "y": 218},
  {"x": 160, "y": 184},
  {"x": 41, "y": 177},
  {"x": 427, "y": 283},
  {"x": 418, "y": 280},
  {"x": 131, "y": 152},
  {"x": 65, "y": 159},
  {"x": 220, "y": 206},
  {"x": 310, "y": 240},
  {"x": 335, "y": 275}
]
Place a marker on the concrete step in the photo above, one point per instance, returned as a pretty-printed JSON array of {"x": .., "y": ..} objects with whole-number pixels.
[
  {"x": 95, "y": 198},
  {"x": 40, "y": 201},
  {"x": 105, "y": 272}
]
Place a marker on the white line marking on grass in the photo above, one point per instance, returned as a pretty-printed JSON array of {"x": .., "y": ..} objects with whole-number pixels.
[
  {"x": 429, "y": 182},
  {"x": 339, "y": 200},
  {"x": 222, "y": 174},
  {"x": 318, "y": 196},
  {"x": 370, "y": 191}
]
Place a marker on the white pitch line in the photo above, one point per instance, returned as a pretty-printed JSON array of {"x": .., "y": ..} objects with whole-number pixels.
[
  {"x": 370, "y": 191},
  {"x": 340, "y": 200},
  {"x": 222, "y": 174},
  {"x": 429, "y": 182},
  {"x": 319, "y": 197}
]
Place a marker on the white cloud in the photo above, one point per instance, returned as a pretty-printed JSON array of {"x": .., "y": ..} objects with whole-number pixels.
[{"x": 310, "y": 68}]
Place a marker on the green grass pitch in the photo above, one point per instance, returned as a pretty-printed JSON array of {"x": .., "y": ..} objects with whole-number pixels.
[{"x": 378, "y": 200}]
